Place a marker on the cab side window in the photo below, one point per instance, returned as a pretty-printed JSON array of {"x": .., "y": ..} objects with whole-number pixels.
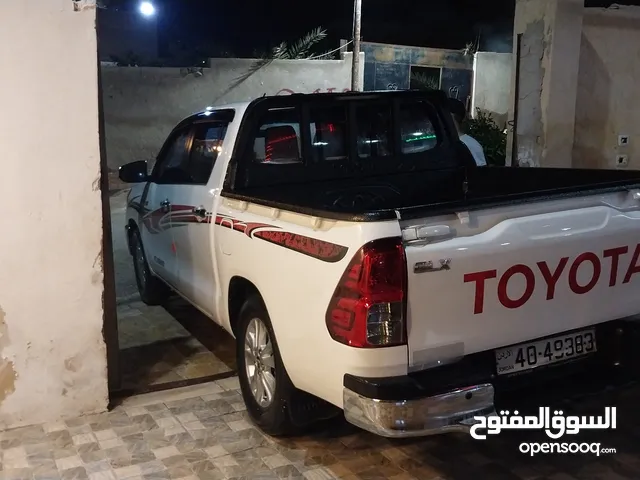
[
  {"x": 170, "y": 167},
  {"x": 205, "y": 148}
]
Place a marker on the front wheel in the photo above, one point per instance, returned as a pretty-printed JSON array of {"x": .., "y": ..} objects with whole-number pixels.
[
  {"x": 265, "y": 385},
  {"x": 152, "y": 290}
]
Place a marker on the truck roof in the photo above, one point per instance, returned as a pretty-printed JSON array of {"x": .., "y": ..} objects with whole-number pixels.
[{"x": 241, "y": 106}]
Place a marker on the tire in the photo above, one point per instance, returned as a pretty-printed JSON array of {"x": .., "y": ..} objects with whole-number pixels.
[
  {"x": 270, "y": 414},
  {"x": 152, "y": 290}
]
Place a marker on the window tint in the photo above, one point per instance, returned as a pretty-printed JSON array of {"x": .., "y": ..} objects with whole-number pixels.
[
  {"x": 207, "y": 145},
  {"x": 374, "y": 131},
  {"x": 328, "y": 128},
  {"x": 277, "y": 141},
  {"x": 416, "y": 129},
  {"x": 171, "y": 165}
]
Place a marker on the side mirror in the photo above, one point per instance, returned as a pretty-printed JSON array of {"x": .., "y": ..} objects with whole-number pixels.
[{"x": 134, "y": 172}]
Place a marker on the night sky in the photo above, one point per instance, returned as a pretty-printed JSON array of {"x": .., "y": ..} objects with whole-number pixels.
[{"x": 249, "y": 27}]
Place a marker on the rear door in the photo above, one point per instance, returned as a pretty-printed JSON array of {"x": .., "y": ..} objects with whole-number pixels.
[
  {"x": 166, "y": 178},
  {"x": 193, "y": 206},
  {"x": 505, "y": 276}
]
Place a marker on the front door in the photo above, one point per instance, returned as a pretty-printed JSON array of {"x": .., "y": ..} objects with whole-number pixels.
[
  {"x": 158, "y": 204},
  {"x": 192, "y": 224}
]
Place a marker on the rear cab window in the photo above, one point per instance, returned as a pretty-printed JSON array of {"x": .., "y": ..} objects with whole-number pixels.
[
  {"x": 328, "y": 134},
  {"x": 374, "y": 134},
  {"x": 417, "y": 131},
  {"x": 277, "y": 141},
  {"x": 315, "y": 138}
]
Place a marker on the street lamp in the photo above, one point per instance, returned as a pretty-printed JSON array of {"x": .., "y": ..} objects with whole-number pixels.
[{"x": 147, "y": 9}]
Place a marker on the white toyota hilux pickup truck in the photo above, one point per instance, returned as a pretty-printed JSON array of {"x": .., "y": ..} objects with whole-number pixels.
[{"x": 364, "y": 264}]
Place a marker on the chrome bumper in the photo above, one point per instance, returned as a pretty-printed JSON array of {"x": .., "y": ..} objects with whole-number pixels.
[{"x": 448, "y": 412}]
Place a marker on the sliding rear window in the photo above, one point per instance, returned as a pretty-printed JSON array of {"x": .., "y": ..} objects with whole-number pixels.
[
  {"x": 328, "y": 133},
  {"x": 374, "y": 130}
]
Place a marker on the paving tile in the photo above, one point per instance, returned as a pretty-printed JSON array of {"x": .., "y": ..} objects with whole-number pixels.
[
  {"x": 179, "y": 471},
  {"x": 128, "y": 472},
  {"x": 16, "y": 474},
  {"x": 54, "y": 427},
  {"x": 77, "y": 473},
  {"x": 103, "y": 475},
  {"x": 157, "y": 349},
  {"x": 195, "y": 434},
  {"x": 288, "y": 472},
  {"x": 69, "y": 463}
]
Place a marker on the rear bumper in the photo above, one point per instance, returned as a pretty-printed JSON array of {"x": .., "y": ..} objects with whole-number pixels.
[
  {"x": 448, "y": 412},
  {"x": 445, "y": 399}
]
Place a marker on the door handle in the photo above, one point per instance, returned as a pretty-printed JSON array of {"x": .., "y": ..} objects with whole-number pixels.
[
  {"x": 165, "y": 205},
  {"x": 434, "y": 231},
  {"x": 423, "y": 267},
  {"x": 200, "y": 212},
  {"x": 427, "y": 233}
]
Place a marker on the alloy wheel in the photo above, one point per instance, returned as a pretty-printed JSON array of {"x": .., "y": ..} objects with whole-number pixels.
[{"x": 260, "y": 362}]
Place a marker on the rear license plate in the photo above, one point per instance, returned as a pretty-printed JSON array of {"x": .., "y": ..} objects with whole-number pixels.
[{"x": 545, "y": 352}]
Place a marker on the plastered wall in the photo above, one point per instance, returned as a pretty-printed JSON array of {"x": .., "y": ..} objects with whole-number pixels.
[
  {"x": 608, "y": 97},
  {"x": 491, "y": 85},
  {"x": 52, "y": 354}
]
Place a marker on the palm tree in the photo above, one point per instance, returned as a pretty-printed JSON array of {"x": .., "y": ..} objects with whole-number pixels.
[{"x": 298, "y": 50}]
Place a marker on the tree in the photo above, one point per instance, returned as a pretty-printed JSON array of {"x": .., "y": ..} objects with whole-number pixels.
[
  {"x": 493, "y": 140},
  {"x": 299, "y": 50}
]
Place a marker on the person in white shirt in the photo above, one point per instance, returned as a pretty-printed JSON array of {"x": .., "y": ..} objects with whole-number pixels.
[{"x": 459, "y": 112}]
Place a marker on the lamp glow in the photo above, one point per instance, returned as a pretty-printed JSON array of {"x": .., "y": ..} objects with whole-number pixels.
[{"x": 147, "y": 9}]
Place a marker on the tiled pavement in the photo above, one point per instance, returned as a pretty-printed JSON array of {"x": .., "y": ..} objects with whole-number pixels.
[
  {"x": 161, "y": 345},
  {"x": 202, "y": 432},
  {"x": 156, "y": 348}
]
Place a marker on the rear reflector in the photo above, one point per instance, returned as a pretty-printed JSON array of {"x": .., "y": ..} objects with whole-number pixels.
[{"x": 368, "y": 307}]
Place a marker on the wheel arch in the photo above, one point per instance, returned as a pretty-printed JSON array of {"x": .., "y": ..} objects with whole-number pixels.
[
  {"x": 240, "y": 288},
  {"x": 131, "y": 228}
]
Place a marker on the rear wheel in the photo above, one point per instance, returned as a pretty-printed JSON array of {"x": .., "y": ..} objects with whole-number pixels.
[
  {"x": 265, "y": 385},
  {"x": 152, "y": 290}
]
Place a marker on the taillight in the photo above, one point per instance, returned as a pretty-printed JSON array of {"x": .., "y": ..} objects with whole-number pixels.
[{"x": 368, "y": 307}]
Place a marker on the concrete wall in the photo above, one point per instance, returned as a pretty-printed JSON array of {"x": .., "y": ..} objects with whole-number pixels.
[
  {"x": 492, "y": 85},
  {"x": 578, "y": 84},
  {"x": 550, "y": 31},
  {"x": 143, "y": 104},
  {"x": 52, "y": 354},
  {"x": 608, "y": 97}
]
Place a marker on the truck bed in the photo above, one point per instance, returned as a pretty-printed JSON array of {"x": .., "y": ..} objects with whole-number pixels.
[{"x": 421, "y": 193}]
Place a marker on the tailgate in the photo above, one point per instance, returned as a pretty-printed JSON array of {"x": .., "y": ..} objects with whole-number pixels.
[{"x": 504, "y": 277}]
